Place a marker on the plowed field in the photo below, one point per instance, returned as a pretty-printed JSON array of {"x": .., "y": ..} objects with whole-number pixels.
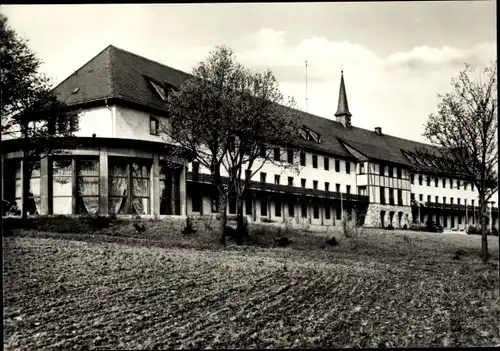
[{"x": 62, "y": 294}]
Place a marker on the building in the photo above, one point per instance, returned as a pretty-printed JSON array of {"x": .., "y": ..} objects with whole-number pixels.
[{"x": 122, "y": 165}]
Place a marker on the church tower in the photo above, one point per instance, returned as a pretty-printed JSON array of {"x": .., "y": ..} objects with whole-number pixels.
[{"x": 343, "y": 115}]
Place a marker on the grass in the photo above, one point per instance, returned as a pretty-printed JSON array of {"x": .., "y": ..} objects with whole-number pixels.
[{"x": 121, "y": 289}]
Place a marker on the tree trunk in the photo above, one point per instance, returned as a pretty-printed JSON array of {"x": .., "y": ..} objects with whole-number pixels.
[
  {"x": 484, "y": 233},
  {"x": 223, "y": 217}
]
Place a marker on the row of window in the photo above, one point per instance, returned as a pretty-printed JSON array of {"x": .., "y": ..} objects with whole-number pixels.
[
  {"x": 197, "y": 203},
  {"x": 74, "y": 187},
  {"x": 436, "y": 199},
  {"x": 391, "y": 196},
  {"x": 303, "y": 181},
  {"x": 390, "y": 171},
  {"x": 459, "y": 184}
]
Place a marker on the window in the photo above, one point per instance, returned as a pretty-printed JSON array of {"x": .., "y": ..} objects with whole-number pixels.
[
  {"x": 302, "y": 158},
  {"x": 327, "y": 212},
  {"x": 412, "y": 196},
  {"x": 291, "y": 209},
  {"x": 196, "y": 202},
  {"x": 458, "y": 184},
  {"x": 391, "y": 172},
  {"x": 304, "y": 211},
  {"x": 348, "y": 189},
  {"x": 316, "y": 211},
  {"x": 232, "y": 205},
  {"x": 348, "y": 167},
  {"x": 337, "y": 165},
  {"x": 13, "y": 186},
  {"x": 451, "y": 183},
  {"x": 362, "y": 190},
  {"x": 262, "y": 177},
  {"x": 339, "y": 212},
  {"x": 436, "y": 199},
  {"x": 170, "y": 190},
  {"x": 262, "y": 151},
  {"x": 420, "y": 179},
  {"x": 326, "y": 162},
  {"x": 87, "y": 197},
  {"x": 327, "y": 186},
  {"x": 436, "y": 182},
  {"x": 196, "y": 167},
  {"x": 248, "y": 206},
  {"x": 277, "y": 208},
  {"x": 315, "y": 184},
  {"x": 290, "y": 181},
  {"x": 472, "y": 186},
  {"x": 315, "y": 161},
  {"x": 428, "y": 181},
  {"x": 160, "y": 90},
  {"x": 421, "y": 197},
  {"x": 303, "y": 182},
  {"x": 444, "y": 199},
  {"x": 289, "y": 156},
  {"x": 263, "y": 208},
  {"x": 391, "y": 196},
  {"x": 382, "y": 195},
  {"x": 444, "y": 182},
  {"x": 129, "y": 186},
  {"x": 276, "y": 179},
  {"x": 400, "y": 197},
  {"x": 459, "y": 219},
  {"x": 62, "y": 186},
  {"x": 277, "y": 153},
  {"x": 412, "y": 177},
  {"x": 215, "y": 205},
  {"x": 458, "y": 201},
  {"x": 337, "y": 188},
  {"x": 428, "y": 198},
  {"x": 399, "y": 172},
  {"x": 381, "y": 170},
  {"x": 362, "y": 168},
  {"x": 472, "y": 203},
  {"x": 154, "y": 125}
]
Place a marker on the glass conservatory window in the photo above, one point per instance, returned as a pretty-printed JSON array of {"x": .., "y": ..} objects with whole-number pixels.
[
  {"x": 62, "y": 186},
  {"x": 88, "y": 186}
]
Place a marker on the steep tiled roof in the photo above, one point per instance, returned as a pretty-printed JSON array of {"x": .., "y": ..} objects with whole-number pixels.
[{"x": 116, "y": 73}]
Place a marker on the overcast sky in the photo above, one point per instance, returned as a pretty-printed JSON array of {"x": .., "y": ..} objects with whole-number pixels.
[{"x": 396, "y": 56}]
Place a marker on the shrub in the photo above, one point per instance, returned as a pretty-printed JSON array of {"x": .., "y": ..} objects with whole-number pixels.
[
  {"x": 494, "y": 232},
  {"x": 266, "y": 220},
  {"x": 351, "y": 230},
  {"x": 473, "y": 229},
  {"x": 389, "y": 227},
  {"x": 405, "y": 227},
  {"x": 189, "y": 228},
  {"x": 97, "y": 222}
]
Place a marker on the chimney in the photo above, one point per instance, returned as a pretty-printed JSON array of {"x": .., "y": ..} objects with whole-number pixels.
[{"x": 378, "y": 130}]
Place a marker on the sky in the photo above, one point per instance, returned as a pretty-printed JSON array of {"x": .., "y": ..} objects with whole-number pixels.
[{"x": 396, "y": 56}]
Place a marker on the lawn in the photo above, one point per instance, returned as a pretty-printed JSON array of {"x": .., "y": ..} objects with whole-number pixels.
[{"x": 397, "y": 289}]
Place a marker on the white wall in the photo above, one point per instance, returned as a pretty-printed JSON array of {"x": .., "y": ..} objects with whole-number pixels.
[
  {"x": 98, "y": 120},
  {"x": 447, "y": 192},
  {"x": 134, "y": 124}
]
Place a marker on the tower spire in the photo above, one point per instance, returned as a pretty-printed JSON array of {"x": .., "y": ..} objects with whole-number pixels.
[{"x": 343, "y": 115}]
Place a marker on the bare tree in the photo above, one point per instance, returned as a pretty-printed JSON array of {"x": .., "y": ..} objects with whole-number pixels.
[
  {"x": 30, "y": 110},
  {"x": 222, "y": 115},
  {"x": 465, "y": 131}
]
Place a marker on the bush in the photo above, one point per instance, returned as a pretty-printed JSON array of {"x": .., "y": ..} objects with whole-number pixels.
[
  {"x": 473, "y": 230},
  {"x": 389, "y": 227},
  {"x": 405, "y": 227},
  {"x": 189, "y": 228},
  {"x": 97, "y": 222},
  {"x": 494, "y": 231},
  {"x": 266, "y": 220}
]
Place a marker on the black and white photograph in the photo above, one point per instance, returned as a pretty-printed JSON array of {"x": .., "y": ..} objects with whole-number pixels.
[{"x": 281, "y": 175}]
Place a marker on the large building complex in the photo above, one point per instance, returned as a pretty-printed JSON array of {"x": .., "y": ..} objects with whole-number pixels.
[{"x": 122, "y": 165}]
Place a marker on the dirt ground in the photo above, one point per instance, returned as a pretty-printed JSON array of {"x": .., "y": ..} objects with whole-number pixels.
[{"x": 67, "y": 294}]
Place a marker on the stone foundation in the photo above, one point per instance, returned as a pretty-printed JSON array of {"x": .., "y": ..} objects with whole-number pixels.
[{"x": 373, "y": 218}]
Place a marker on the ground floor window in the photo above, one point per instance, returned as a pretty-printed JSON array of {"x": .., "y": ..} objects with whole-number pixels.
[
  {"x": 232, "y": 205},
  {"x": 339, "y": 212},
  {"x": 327, "y": 212},
  {"x": 304, "y": 211},
  {"x": 277, "y": 208},
  {"x": 248, "y": 206},
  {"x": 129, "y": 191},
  {"x": 62, "y": 186},
  {"x": 316, "y": 211},
  {"x": 13, "y": 187},
  {"x": 263, "y": 208},
  {"x": 87, "y": 197},
  {"x": 215, "y": 204},
  {"x": 291, "y": 209},
  {"x": 170, "y": 190}
]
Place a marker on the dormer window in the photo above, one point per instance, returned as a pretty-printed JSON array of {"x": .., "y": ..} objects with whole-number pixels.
[
  {"x": 154, "y": 125},
  {"x": 309, "y": 135},
  {"x": 160, "y": 90},
  {"x": 303, "y": 134}
]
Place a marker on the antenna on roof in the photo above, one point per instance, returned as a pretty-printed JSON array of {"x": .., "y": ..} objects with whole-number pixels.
[{"x": 306, "y": 89}]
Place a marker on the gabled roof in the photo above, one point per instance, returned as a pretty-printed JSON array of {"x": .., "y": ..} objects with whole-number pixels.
[{"x": 116, "y": 73}]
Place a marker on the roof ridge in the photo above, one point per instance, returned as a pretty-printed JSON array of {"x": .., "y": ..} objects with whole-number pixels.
[
  {"x": 148, "y": 59},
  {"x": 81, "y": 67}
]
